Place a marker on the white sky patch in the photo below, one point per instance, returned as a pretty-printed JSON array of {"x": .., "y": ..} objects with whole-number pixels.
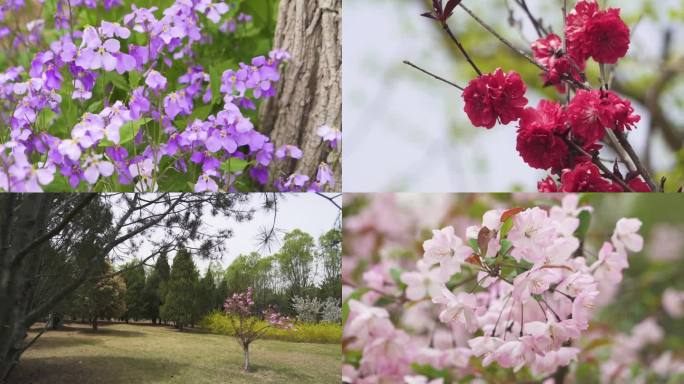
[{"x": 308, "y": 212}]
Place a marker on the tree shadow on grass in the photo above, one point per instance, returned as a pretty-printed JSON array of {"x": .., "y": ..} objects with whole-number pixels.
[
  {"x": 63, "y": 342},
  {"x": 103, "y": 330},
  {"x": 93, "y": 369},
  {"x": 289, "y": 372}
]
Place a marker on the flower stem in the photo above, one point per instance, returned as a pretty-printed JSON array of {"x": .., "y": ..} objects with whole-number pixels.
[
  {"x": 519, "y": 51},
  {"x": 460, "y": 48},
  {"x": 622, "y": 139},
  {"x": 410, "y": 64},
  {"x": 598, "y": 163}
]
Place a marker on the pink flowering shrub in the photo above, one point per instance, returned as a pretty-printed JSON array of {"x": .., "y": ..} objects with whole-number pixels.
[
  {"x": 116, "y": 95},
  {"x": 579, "y": 137},
  {"x": 248, "y": 325},
  {"x": 513, "y": 296}
]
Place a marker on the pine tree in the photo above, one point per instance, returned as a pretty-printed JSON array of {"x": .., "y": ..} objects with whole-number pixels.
[
  {"x": 155, "y": 288},
  {"x": 101, "y": 298},
  {"x": 136, "y": 302},
  {"x": 180, "y": 304},
  {"x": 206, "y": 293}
]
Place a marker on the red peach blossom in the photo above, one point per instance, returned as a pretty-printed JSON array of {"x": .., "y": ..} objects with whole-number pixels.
[{"x": 495, "y": 97}]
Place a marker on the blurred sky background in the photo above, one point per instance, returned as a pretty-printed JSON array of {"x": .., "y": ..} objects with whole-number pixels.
[
  {"x": 308, "y": 212},
  {"x": 405, "y": 131}
]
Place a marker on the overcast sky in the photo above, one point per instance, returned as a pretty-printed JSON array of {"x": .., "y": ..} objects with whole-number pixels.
[{"x": 308, "y": 212}]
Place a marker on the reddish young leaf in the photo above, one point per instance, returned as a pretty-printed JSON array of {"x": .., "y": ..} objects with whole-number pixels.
[
  {"x": 510, "y": 213},
  {"x": 449, "y": 9}
]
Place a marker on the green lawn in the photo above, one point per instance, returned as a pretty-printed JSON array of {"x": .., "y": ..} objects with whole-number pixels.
[{"x": 121, "y": 353}]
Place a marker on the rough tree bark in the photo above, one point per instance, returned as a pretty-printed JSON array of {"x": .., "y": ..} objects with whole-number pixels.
[{"x": 309, "y": 94}]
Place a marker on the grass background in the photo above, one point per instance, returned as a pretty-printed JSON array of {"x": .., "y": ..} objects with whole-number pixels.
[{"x": 123, "y": 353}]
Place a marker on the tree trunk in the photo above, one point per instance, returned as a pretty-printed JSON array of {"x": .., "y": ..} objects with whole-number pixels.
[
  {"x": 245, "y": 349},
  {"x": 94, "y": 322},
  {"x": 309, "y": 94}
]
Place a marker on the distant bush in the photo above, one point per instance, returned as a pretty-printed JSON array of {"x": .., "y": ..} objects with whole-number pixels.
[
  {"x": 219, "y": 323},
  {"x": 308, "y": 308},
  {"x": 332, "y": 311}
]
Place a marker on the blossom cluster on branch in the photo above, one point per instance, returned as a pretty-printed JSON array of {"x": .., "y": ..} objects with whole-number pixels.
[
  {"x": 141, "y": 123},
  {"x": 566, "y": 138},
  {"x": 517, "y": 291}
]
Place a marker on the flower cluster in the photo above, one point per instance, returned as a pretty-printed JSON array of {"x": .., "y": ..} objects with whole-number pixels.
[
  {"x": 517, "y": 291},
  {"x": 241, "y": 304},
  {"x": 565, "y": 140},
  {"x": 139, "y": 124}
]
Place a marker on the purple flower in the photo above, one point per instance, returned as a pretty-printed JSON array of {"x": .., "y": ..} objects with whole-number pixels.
[
  {"x": 96, "y": 167},
  {"x": 220, "y": 138},
  {"x": 288, "y": 150},
  {"x": 138, "y": 103},
  {"x": 72, "y": 171},
  {"x": 205, "y": 158},
  {"x": 97, "y": 54},
  {"x": 331, "y": 135},
  {"x": 89, "y": 131},
  {"x": 143, "y": 168},
  {"x": 213, "y": 11},
  {"x": 176, "y": 103},
  {"x": 116, "y": 116},
  {"x": 140, "y": 18},
  {"x": 155, "y": 80},
  {"x": 206, "y": 183},
  {"x": 294, "y": 183},
  {"x": 265, "y": 154},
  {"x": 108, "y": 29},
  {"x": 124, "y": 63},
  {"x": 325, "y": 175},
  {"x": 168, "y": 31},
  {"x": 70, "y": 149}
]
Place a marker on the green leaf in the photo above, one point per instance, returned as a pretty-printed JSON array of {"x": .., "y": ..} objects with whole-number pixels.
[
  {"x": 58, "y": 184},
  {"x": 127, "y": 132},
  {"x": 45, "y": 119},
  {"x": 585, "y": 222},
  {"x": 506, "y": 227},
  {"x": 396, "y": 276},
  {"x": 95, "y": 107},
  {"x": 356, "y": 295},
  {"x": 134, "y": 78},
  {"x": 118, "y": 81},
  {"x": 234, "y": 165}
]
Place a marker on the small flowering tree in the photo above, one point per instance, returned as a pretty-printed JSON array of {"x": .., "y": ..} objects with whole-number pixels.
[
  {"x": 513, "y": 296},
  {"x": 567, "y": 137},
  {"x": 248, "y": 325}
]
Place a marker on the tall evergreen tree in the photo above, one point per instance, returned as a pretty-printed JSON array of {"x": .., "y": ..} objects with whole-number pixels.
[
  {"x": 155, "y": 288},
  {"x": 180, "y": 304},
  {"x": 100, "y": 298},
  {"x": 136, "y": 302},
  {"x": 206, "y": 292}
]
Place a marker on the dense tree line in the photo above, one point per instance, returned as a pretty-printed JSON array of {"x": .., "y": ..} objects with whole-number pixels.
[{"x": 177, "y": 294}]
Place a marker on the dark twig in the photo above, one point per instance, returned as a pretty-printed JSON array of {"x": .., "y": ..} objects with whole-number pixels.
[
  {"x": 635, "y": 158},
  {"x": 410, "y": 64},
  {"x": 519, "y": 51},
  {"x": 598, "y": 163},
  {"x": 460, "y": 48}
]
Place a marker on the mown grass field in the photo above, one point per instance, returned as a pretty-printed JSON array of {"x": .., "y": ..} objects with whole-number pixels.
[{"x": 121, "y": 353}]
